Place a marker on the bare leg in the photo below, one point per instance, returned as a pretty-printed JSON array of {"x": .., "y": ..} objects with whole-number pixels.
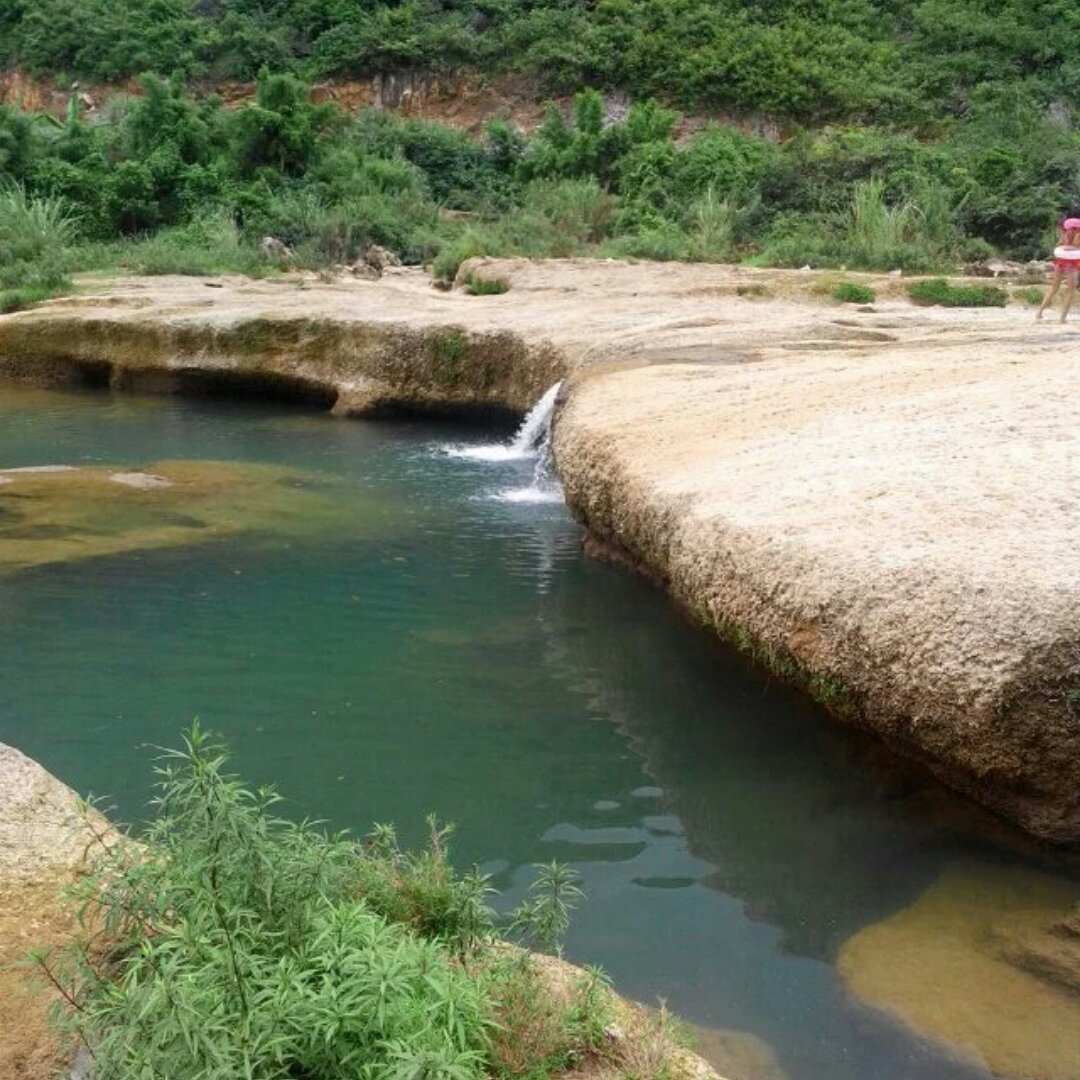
[
  {"x": 1070, "y": 293},
  {"x": 1048, "y": 299}
]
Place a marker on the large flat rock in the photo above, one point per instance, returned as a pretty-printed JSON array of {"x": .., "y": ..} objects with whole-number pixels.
[
  {"x": 42, "y": 848},
  {"x": 900, "y": 531}
]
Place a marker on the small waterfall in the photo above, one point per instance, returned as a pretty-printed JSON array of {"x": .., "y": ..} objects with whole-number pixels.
[
  {"x": 528, "y": 441},
  {"x": 532, "y": 440},
  {"x": 535, "y": 432}
]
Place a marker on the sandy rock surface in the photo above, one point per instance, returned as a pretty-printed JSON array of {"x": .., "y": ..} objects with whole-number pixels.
[
  {"x": 904, "y": 529},
  {"x": 42, "y": 848},
  {"x": 881, "y": 501}
]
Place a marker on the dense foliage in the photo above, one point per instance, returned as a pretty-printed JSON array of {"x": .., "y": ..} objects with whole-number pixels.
[
  {"x": 950, "y": 134},
  {"x": 165, "y": 182},
  {"x": 232, "y": 943},
  {"x": 872, "y": 59}
]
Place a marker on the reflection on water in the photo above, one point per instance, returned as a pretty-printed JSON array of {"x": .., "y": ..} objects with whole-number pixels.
[{"x": 470, "y": 661}]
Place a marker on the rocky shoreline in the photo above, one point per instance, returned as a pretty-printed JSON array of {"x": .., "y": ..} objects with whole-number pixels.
[{"x": 879, "y": 503}]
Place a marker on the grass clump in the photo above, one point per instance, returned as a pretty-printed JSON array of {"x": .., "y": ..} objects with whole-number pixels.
[
  {"x": 477, "y": 286},
  {"x": 231, "y": 942},
  {"x": 940, "y": 292},
  {"x": 19, "y": 299},
  {"x": 1031, "y": 295},
  {"x": 851, "y": 292}
]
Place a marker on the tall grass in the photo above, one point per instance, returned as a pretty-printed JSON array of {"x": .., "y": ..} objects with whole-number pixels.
[
  {"x": 875, "y": 229},
  {"x": 915, "y": 231},
  {"x": 711, "y": 224},
  {"x": 32, "y": 227},
  {"x": 36, "y": 236}
]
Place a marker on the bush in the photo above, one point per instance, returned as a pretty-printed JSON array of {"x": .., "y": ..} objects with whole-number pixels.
[
  {"x": 33, "y": 227},
  {"x": 20, "y": 299},
  {"x": 939, "y": 291},
  {"x": 851, "y": 292},
  {"x": 476, "y": 286},
  {"x": 665, "y": 242},
  {"x": 1032, "y": 296},
  {"x": 230, "y": 942}
]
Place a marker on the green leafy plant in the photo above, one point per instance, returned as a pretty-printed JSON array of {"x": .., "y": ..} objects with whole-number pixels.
[
  {"x": 478, "y": 286},
  {"x": 33, "y": 226},
  {"x": 1030, "y": 295},
  {"x": 543, "y": 918},
  {"x": 851, "y": 292},
  {"x": 941, "y": 292},
  {"x": 228, "y": 941}
]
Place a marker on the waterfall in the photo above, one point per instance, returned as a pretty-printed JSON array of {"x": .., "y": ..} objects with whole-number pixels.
[
  {"x": 535, "y": 432},
  {"x": 531, "y": 440}
]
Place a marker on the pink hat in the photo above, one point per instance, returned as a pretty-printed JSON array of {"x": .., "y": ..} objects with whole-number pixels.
[{"x": 1071, "y": 223}]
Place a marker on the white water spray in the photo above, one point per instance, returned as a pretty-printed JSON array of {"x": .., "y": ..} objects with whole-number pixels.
[
  {"x": 529, "y": 440},
  {"x": 532, "y": 440}
]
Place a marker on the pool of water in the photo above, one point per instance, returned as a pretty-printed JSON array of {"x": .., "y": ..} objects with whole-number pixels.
[{"x": 465, "y": 658}]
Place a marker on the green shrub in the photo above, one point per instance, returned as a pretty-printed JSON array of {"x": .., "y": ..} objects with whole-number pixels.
[
  {"x": 665, "y": 242},
  {"x": 477, "y": 286},
  {"x": 711, "y": 225},
  {"x": 939, "y": 291},
  {"x": 1032, "y": 296},
  {"x": 19, "y": 299},
  {"x": 231, "y": 942},
  {"x": 32, "y": 227},
  {"x": 851, "y": 292}
]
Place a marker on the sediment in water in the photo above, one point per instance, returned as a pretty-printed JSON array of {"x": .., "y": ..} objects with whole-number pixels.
[
  {"x": 61, "y": 514},
  {"x": 946, "y": 967}
]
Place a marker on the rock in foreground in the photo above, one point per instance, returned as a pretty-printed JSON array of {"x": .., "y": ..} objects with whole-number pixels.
[{"x": 42, "y": 847}]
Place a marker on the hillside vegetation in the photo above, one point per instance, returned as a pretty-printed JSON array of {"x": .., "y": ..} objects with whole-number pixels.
[
  {"x": 921, "y": 135},
  {"x": 867, "y": 59}
]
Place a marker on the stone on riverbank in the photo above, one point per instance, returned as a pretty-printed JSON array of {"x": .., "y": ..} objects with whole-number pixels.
[{"x": 42, "y": 848}]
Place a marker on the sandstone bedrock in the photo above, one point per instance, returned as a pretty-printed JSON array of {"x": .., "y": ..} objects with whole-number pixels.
[{"x": 881, "y": 503}]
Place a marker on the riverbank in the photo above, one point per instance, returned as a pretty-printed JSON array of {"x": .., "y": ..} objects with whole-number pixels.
[
  {"x": 47, "y": 842},
  {"x": 878, "y": 501}
]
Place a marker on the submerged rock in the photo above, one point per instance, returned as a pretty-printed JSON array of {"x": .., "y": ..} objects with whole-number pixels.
[
  {"x": 63, "y": 514},
  {"x": 947, "y": 967}
]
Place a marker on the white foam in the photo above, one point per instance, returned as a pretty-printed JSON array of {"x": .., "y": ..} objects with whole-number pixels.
[
  {"x": 529, "y": 495},
  {"x": 494, "y": 452}
]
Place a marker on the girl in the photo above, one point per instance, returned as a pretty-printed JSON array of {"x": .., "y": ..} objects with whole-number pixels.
[{"x": 1066, "y": 265}]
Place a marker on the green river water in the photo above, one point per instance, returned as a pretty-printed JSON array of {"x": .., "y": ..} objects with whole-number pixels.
[{"x": 435, "y": 648}]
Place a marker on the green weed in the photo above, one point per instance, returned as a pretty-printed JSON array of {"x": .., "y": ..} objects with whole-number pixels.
[
  {"x": 940, "y": 292},
  {"x": 477, "y": 286},
  {"x": 851, "y": 292},
  {"x": 232, "y": 942},
  {"x": 19, "y": 299}
]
